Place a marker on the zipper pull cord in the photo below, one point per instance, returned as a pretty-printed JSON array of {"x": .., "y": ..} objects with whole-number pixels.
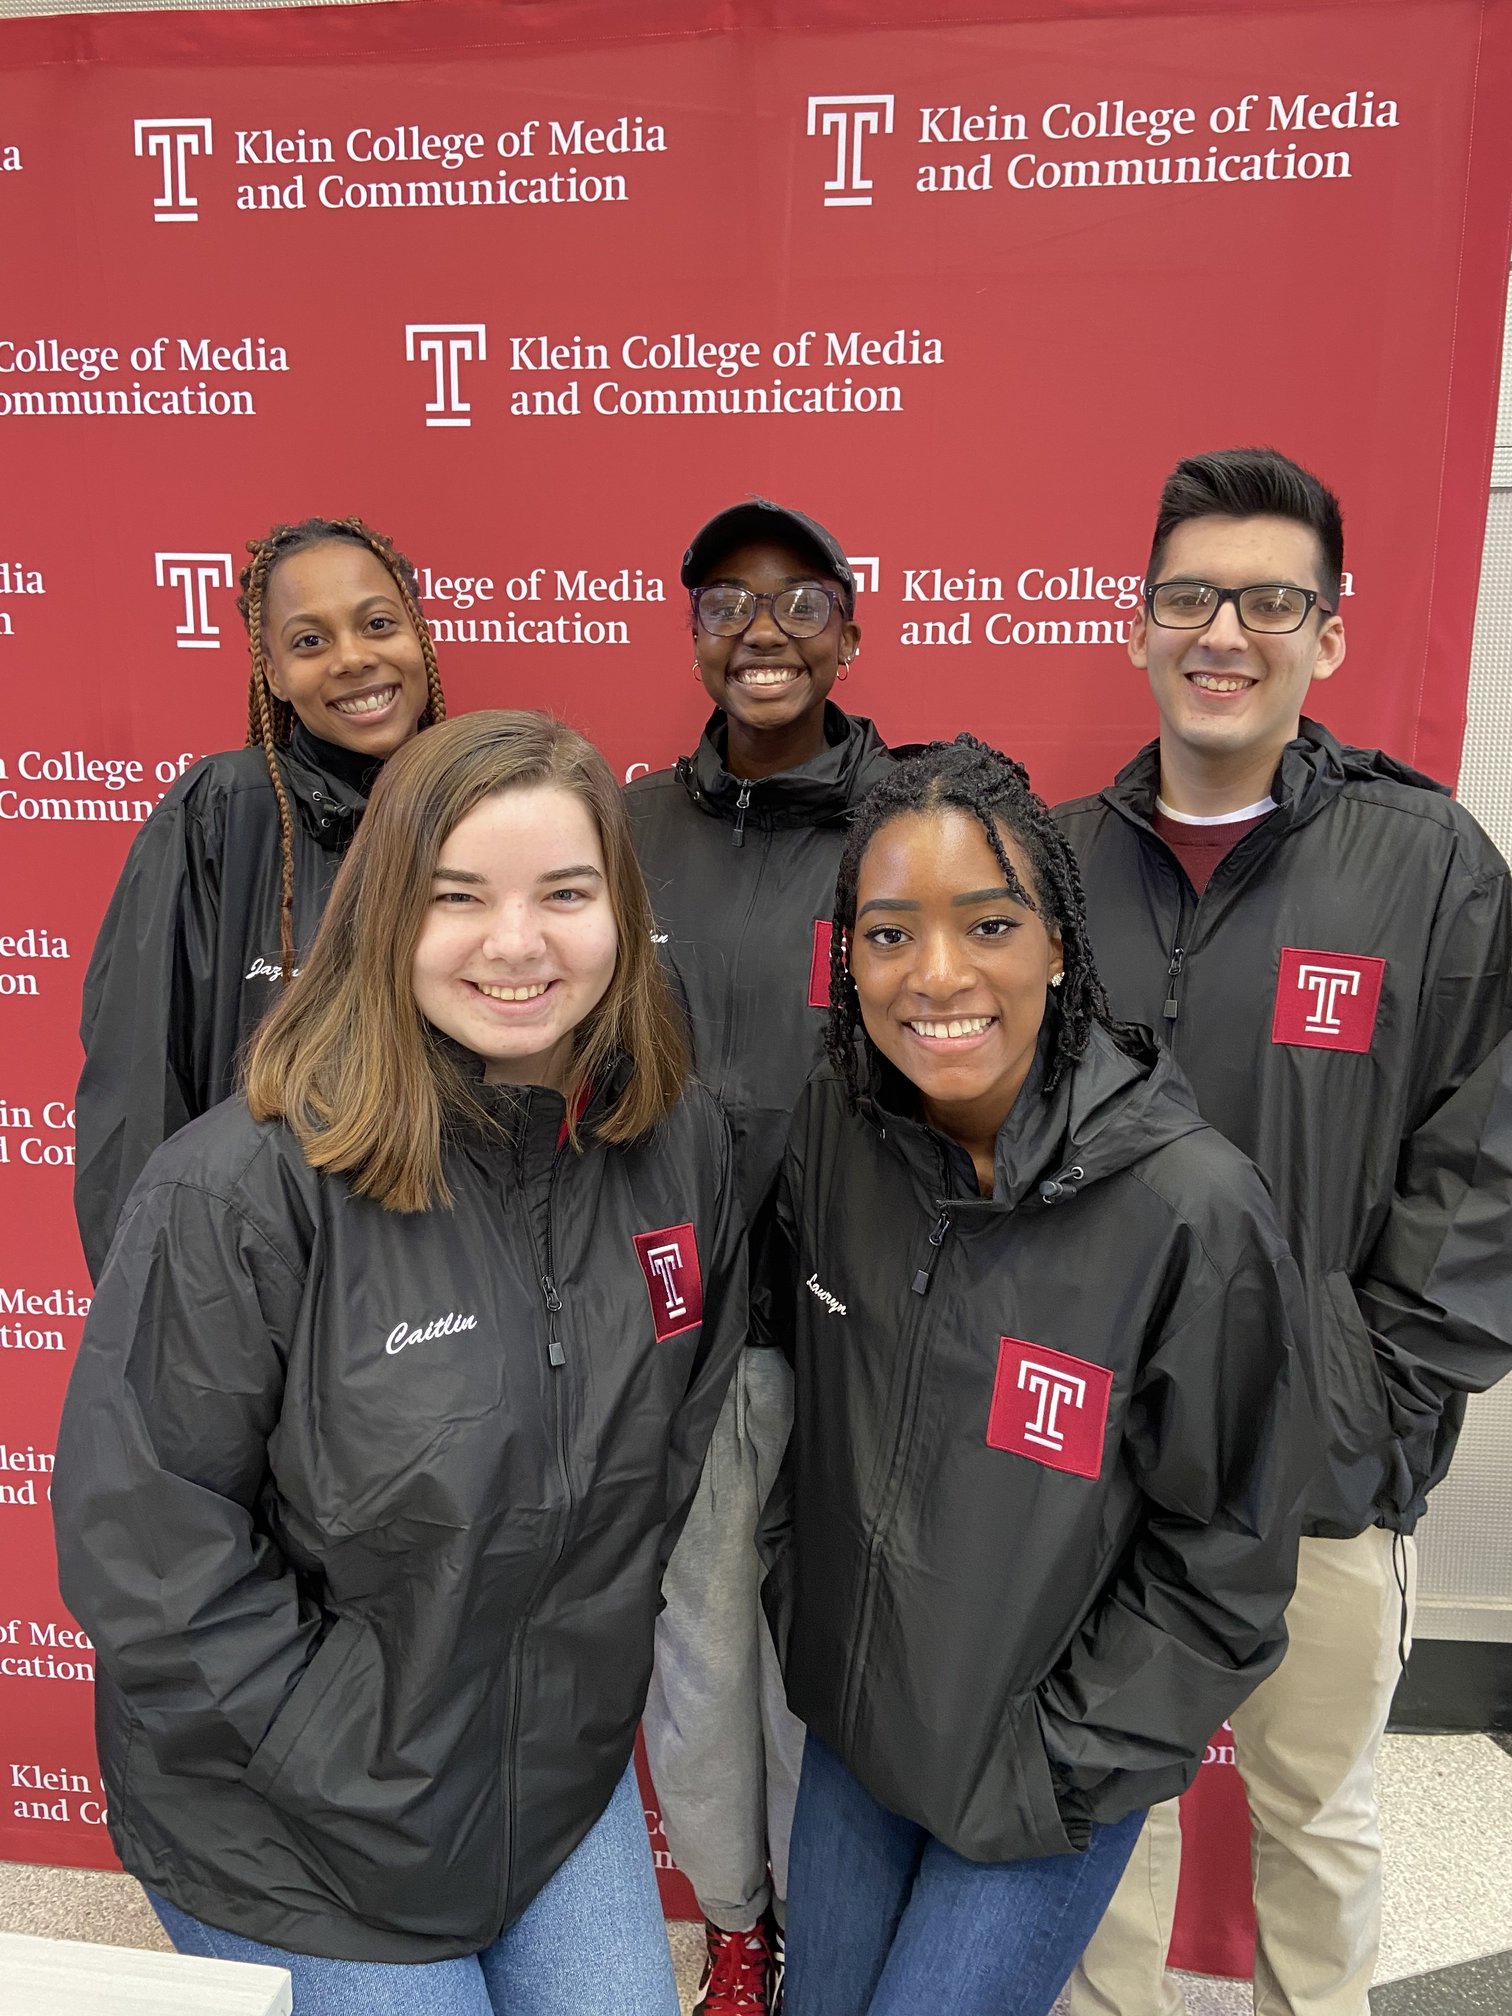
[
  {"x": 925, "y": 1274},
  {"x": 737, "y": 837},
  {"x": 554, "y": 1352},
  {"x": 1063, "y": 1185},
  {"x": 1173, "y": 978}
]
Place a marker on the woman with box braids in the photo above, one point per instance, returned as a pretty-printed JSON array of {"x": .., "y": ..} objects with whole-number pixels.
[
  {"x": 227, "y": 881},
  {"x": 270, "y": 719},
  {"x": 996, "y": 792}
]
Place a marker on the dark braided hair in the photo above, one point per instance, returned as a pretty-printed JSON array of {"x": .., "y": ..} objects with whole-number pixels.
[
  {"x": 270, "y": 721},
  {"x": 995, "y": 791}
]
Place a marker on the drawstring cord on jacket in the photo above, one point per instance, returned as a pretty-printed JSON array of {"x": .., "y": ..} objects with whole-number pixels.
[{"x": 1399, "y": 1569}]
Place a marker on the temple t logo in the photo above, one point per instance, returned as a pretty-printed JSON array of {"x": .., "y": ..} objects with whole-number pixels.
[
  {"x": 1050, "y": 1407},
  {"x": 848, "y": 120},
  {"x": 674, "y": 1279},
  {"x": 1326, "y": 1000},
  {"x": 194, "y": 575},
  {"x": 175, "y": 142},
  {"x": 446, "y": 347}
]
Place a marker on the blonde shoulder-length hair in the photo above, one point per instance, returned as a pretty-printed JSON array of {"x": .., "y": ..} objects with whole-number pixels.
[{"x": 346, "y": 1059}]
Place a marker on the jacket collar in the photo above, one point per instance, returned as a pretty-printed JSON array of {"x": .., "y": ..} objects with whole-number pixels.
[
  {"x": 329, "y": 786},
  {"x": 1124, "y": 1098},
  {"x": 1313, "y": 770},
  {"x": 518, "y": 1110},
  {"x": 817, "y": 793}
]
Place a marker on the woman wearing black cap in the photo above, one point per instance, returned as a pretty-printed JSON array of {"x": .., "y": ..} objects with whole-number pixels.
[{"x": 740, "y": 843}]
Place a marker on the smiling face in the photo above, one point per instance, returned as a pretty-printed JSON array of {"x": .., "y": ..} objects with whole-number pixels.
[
  {"x": 1227, "y": 696},
  {"x": 341, "y": 649},
  {"x": 950, "y": 970},
  {"x": 762, "y": 679},
  {"x": 519, "y": 942}
]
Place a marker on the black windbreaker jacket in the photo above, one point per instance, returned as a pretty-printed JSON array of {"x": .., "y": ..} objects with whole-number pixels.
[
  {"x": 366, "y": 1514},
  {"x": 1038, "y": 1524},
  {"x": 1346, "y": 970},
  {"x": 187, "y": 961},
  {"x": 742, "y": 882}
]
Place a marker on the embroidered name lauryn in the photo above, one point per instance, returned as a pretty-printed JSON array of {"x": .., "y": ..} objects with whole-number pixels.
[
  {"x": 440, "y": 1326},
  {"x": 831, "y": 1302}
]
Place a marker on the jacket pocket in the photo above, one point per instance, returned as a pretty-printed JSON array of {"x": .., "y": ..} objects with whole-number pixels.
[
  {"x": 1353, "y": 1393},
  {"x": 1050, "y": 1832},
  {"x": 332, "y": 1656},
  {"x": 1008, "y": 1811},
  {"x": 389, "y": 1786}
]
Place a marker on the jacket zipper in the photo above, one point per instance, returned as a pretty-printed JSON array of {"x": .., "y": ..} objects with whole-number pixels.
[
  {"x": 1171, "y": 1007},
  {"x": 731, "y": 1033},
  {"x": 892, "y": 1485},
  {"x": 925, "y": 1274},
  {"x": 1173, "y": 982},
  {"x": 742, "y": 802},
  {"x": 556, "y": 1357}
]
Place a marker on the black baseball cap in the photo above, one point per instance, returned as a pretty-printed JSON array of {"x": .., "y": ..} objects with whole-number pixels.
[{"x": 758, "y": 518}]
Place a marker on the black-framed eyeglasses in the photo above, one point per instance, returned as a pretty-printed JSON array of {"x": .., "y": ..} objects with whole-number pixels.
[
  {"x": 1272, "y": 608},
  {"x": 727, "y": 611}
]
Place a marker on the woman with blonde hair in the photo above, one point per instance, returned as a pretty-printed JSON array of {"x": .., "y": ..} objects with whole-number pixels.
[{"x": 388, "y": 1413}]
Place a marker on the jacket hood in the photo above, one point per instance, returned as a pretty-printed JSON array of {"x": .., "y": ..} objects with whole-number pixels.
[
  {"x": 820, "y": 792},
  {"x": 1313, "y": 769},
  {"x": 1125, "y": 1098}
]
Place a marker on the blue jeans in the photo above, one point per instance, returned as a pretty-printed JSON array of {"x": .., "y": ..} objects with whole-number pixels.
[
  {"x": 884, "y": 1920},
  {"x": 592, "y": 1939}
]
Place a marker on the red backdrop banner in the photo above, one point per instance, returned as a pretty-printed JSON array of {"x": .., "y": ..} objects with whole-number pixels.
[{"x": 536, "y": 290}]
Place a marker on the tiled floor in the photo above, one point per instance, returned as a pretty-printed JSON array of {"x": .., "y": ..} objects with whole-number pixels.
[{"x": 1446, "y": 1804}]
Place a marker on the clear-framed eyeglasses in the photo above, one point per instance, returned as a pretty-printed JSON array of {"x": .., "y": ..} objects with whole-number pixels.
[
  {"x": 1271, "y": 608},
  {"x": 722, "y": 610}
]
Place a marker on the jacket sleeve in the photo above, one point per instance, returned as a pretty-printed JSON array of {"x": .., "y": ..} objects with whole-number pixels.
[
  {"x": 144, "y": 1071},
  {"x": 721, "y": 1334},
  {"x": 1221, "y": 1440},
  {"x": 1437, "y": 1296},
  {"x": 1438, "y": 1264},
  {"x": 162, "y": 1454}
]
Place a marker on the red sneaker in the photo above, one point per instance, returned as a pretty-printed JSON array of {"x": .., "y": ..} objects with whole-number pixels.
[{"x": 739, "y": 1974}]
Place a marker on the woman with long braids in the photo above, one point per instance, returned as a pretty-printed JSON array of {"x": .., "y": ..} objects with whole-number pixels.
[
  {"x": 1038, "y": 1523},
  {"x": 225, "y": 884}
]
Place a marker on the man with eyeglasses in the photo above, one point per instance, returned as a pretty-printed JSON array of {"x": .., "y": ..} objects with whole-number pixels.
[{"x": 1322, "y": 937}]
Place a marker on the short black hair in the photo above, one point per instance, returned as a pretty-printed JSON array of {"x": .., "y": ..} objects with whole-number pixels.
[
  {"x": 992, "y": 789},
  {"x": 1253, "y": 483}
]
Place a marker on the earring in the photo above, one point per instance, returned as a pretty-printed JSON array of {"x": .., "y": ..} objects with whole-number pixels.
[
  {"x": 696, "y": 673},
  {"x": 1056, "y": 979},
  {"x": 843, "y": 671}
]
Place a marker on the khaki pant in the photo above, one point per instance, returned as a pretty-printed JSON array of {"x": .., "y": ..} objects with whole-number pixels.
[{"x": 1305, "y": 1743}]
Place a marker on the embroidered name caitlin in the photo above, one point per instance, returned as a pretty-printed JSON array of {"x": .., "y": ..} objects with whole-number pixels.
[{"x": 440, "y": 1326}]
